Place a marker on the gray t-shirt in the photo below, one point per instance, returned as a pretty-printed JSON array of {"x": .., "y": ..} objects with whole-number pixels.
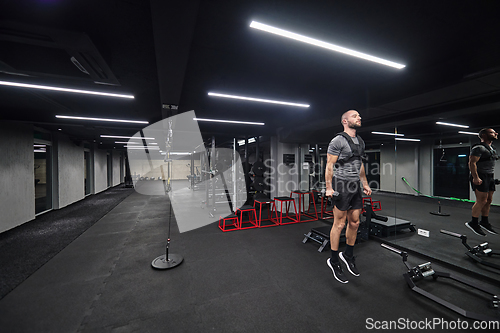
[
  {"x": 486, "y": 166},
  {"x": 340, "y": 147}
]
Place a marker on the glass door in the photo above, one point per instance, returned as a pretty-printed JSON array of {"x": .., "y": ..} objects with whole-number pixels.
[{"x": 42, "y": 169}]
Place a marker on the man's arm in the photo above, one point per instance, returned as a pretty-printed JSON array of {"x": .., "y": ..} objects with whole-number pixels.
[
  {"x": 364, "y": 181},
  {"x": 330, "y": 162},
  {"x": 473, "y": 169}
]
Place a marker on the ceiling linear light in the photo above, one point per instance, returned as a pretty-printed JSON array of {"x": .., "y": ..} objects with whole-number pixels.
[
  {"x": 469, "y": 133},
  {"x": 229, "y": 121},
  {"x": 462, "y": 155},
  {"x": 127, "y": 143},
  {"x": 385, "y": 133},
  {"x": 179, "y": 153},
  {"x": 126, "y": 137},
  {"x": 253, "y": 99},
  {"x": 242, "y": 142},
  {"x": 77, "y": 91},
  {"x": 450, "y": 124},
  {"x": 103, "y": 119},
  {"x": 406, "y": 139},
  {"x": 39, "y": 151},
  {"x": 143, "y": 147},
  {"x": 39, "y": 145},
  {"x": 316, "y": 42}
]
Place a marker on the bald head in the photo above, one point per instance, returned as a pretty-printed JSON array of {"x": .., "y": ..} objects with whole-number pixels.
[{"x": 351, "y": 119}]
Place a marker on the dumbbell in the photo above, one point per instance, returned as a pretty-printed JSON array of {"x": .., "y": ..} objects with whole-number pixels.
[
  {"x": 497, "y": 181},
  {"x": 335, "y": 193}
]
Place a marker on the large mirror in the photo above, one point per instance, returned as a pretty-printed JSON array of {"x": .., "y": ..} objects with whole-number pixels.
[{"x": 432, "y": 184}]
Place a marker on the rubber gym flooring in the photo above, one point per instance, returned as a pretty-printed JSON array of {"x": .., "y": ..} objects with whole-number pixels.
[{"x": 255, "y": 280}]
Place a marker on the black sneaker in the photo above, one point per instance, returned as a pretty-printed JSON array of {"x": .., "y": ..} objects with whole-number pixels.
[
  {"x": 351, "y": 266},
  {"x": 487, "y": 226},
  {"x": 476, "y": 228},
  {"x": 337, "y": 271}
]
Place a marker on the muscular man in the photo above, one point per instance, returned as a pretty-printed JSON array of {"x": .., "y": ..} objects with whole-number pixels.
[
  {"x": 345, "y": 152},
  {"x": 482, "y": 161}
]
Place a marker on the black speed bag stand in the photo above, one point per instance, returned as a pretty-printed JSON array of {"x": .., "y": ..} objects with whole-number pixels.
[
  {"x": 476, "y": 253},
  {"x": 422, "y": 271}
]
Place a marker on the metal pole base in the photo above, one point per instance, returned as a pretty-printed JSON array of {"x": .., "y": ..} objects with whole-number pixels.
[
  {"x": 162, "y": 263},
  {"x": 439, "y": 214}
]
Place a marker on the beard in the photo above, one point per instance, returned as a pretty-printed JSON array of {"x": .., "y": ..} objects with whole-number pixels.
[{"x": 353, "y": 124}]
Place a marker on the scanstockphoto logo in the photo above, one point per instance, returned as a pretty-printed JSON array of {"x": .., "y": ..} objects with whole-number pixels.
[
  {"x": 157, "y": 152},
  {"x": 282, "y": 177}
]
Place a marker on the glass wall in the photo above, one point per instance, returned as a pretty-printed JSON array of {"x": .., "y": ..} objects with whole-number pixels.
[{"x": 451, "y": 172}]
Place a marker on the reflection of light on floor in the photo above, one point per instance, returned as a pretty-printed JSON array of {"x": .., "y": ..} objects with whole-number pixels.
[{"x": 189, "y": 206}]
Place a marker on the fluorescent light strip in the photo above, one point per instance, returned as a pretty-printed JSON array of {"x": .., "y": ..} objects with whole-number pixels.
[
  {"x": 392, "y": 134},
  {"x": 35, "y": 86},
  {"x": 469, "y": 133},
  {"x": 242, "y": 142},
  {"x": 229, "y": 121},
  {"x": 104, "y": 119},
  {"x": 126, "y": 137},
  {"x": 462, "y": 155},
  {"x": 174, "y": 153},
  {"x": 258, "y": 100},
  {"x": 450, "y": 124},
  {"x": 405, "y": 139},
  {"x": 127, "y": 143},
  {"x": 40, "y": 146},
  {"x": 139, "y": 147},
  {"x": 39, "y": 151},
  {"x": 333, "y": 47}
]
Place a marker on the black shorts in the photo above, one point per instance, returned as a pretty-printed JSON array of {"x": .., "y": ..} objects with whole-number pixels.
[
  {"x": 487, "y": 185},
  {"x": 349, "y": 197}
]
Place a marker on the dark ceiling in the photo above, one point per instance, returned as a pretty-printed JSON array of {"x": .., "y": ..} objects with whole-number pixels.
[{"x": 174, "y": 52}]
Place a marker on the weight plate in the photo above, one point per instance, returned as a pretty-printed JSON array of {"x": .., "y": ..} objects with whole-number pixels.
[
  {"x": 259, "y": 184},
  {"x": 259, "y": 168}
]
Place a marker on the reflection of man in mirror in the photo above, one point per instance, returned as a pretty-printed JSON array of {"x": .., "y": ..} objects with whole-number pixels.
[
  {"x": 345, "y": 152},
  {"x": 482, "y": 161}
]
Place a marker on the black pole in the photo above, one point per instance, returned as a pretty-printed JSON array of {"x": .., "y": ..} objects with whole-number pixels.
[
  {"x": 212, "y": 173},
  {"x": 257, "y": 149},
  {"x": 167, "y": 260},
  {"x": 317, "y": 165}
]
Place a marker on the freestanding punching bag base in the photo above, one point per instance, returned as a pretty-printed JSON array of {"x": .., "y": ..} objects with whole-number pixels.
[
  {"x": 162, "y": 263},
  {"x": 439, "y": 213}
]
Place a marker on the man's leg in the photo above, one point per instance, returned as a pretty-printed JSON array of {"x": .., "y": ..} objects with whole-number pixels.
[
  {"x": 485, "y": 211},
  {"x": 333, "y": 262},
  {"x": 352, "y": 231},
  {"x": 481, "y": 199},
  {"x": 339, "y": 218},
  {"x": 352, "y": 226}
]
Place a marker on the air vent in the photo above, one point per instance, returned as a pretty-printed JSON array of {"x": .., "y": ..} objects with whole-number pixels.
[{"x": 45, "y": 53}]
